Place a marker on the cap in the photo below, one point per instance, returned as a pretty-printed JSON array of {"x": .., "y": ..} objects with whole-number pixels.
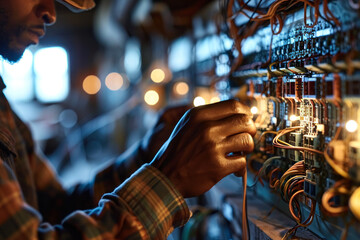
[{"x": 78, "y": 5}]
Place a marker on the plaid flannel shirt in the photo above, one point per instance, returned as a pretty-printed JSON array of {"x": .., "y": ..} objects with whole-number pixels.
[{"x": 34, "y": 205}]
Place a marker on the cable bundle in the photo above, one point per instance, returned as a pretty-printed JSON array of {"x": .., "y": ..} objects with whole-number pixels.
[
  {"x": 275, "y": 14},
  {"x": 280, "y": 144}
]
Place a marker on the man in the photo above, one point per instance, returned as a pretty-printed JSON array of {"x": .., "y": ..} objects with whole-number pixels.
[{"x": 147, "y": 205}]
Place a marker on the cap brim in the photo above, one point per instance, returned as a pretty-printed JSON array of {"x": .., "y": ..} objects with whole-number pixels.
[{"x": 78, "y": 5}]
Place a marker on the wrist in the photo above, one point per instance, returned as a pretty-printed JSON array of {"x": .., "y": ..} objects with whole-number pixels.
[{"x": 151, "y": 195}]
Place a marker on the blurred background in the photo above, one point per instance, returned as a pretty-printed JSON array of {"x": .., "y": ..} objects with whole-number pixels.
[{"x": 96, "y": 81}]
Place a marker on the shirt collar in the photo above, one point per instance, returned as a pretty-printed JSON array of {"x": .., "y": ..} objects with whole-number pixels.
[{"x": 2, "y": 84}]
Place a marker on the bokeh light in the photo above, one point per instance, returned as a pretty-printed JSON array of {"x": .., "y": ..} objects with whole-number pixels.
[
  {"x": 254, "y": 110},
  {"x": 114, "y": 81},
  {"x": 351, "y": 126},
  {"x": 181, "y": 88},
  {"x": 157, "y": 75},
  {"x": 91, "y": 84},
  {"x": 199, "y": 101},
  {"x": 215, "y": 99},
  {"x": 151, "y": 97},
  {"x": 68, "y": 118},
  {"x": 293, "y": 118}
]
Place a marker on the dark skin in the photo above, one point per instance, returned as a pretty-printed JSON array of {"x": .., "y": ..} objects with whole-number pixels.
[
  {"x": 157, "y": 135},
  {"x": 23, "y": 23},
  {"x": 196, "y": 155},
  {"x": 198, "y": 149}
]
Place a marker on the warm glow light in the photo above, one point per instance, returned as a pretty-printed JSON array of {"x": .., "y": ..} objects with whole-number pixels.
[
  {"x": 151, "y": 97},
  {"x": 181, "y": 88},
  {"x": 157, "y": 75},
  {"x": 91, "y": 84},
  {"x": 293, "y": 118},
  {"x": 254, "y": 110},
  {"x": 199, "y": 101},
  {"x": 114, "y": 81},
  {"x": 215, "y": 99},
  {"x": 351, "y": 126}
]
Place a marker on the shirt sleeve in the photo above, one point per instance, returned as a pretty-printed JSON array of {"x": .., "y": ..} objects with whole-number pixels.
[
  {"x": 146, "y": 206},
  {"x": 55, "y": 202}
]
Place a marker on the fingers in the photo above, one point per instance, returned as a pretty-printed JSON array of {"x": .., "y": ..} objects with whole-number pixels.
[
  {"x": 236, "y": 165},
  {"x": 233, "y": 132},
  {"x": 235, "y": 124},
  {"x": 199, "y": 146},
  {"x": 242, "y": 144},
  {"x": 219, "y": 110}
]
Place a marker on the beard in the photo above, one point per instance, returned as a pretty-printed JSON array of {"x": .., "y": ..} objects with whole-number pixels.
[
  {"x": 9, "y": 52},
  {"x": 12, "y": 55}
]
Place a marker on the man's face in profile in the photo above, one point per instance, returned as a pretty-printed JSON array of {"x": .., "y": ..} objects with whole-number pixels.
[{"x": 22, "y": 23}]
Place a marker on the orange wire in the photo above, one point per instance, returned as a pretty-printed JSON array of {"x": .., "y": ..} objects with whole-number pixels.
[
  {"x": 317, "y": 13},
  {"x": 332, "y": 192},
  {"x": 297, "y": 218},
  {"x": 309, "y": 220},
  {"x": 276, "y": 14},
  {"x": 328, "y": 14},
  {"x": 288, "y": 65},
  {"x": 274, "y": 183}
]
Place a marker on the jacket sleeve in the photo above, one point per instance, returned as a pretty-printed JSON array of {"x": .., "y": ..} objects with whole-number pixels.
[{"x": 145, "y": 206}]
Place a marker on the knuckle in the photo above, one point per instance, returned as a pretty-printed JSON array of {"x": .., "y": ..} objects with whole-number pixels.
[
  {"x": 247, "y": 141},
  {"x": 234, "y": 105},
  {"x": 243, "y": 118},
  {"x": 246, "y": 120},
  {"x": 252, "y": 128},
  {"x": 238, "y": 107}
]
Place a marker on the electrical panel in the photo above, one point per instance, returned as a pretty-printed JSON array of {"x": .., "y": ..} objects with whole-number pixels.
[{"x": 300, "y": 61}]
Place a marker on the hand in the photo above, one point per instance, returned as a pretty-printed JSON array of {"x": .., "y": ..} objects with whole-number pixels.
[
  {"x": 207, "y": 144},
  {"x": 157, "y": 136}
]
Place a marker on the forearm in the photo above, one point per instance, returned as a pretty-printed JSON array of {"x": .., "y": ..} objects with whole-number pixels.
[
  {"x": 83, "y": 195},
  {"x": 146, "y": 206}
]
